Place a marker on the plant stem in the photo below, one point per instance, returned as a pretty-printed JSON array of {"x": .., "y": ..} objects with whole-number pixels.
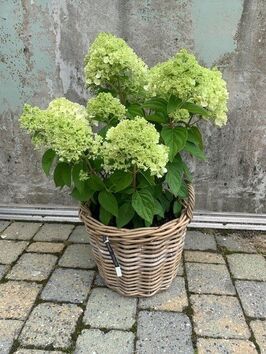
[{"x": 90, "y": 167}]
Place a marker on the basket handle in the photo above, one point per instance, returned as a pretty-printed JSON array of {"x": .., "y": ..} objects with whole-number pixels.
[{"x": 190, "y": 201}]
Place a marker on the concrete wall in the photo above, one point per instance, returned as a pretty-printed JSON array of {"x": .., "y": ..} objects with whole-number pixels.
[{"x": 43, "y": 43}]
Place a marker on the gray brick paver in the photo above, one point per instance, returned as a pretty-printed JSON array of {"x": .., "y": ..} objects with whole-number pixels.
[
  {"x": 113, "y": 342},
  {"x": 50, "y": 324},
  {"x": 36, "y": 351},
  {"x": 54, "y": 232},
  {"x": 172, "y": 299},
  {"x": 33, "y": 266},
  {"x": 3, "y": 225},
  {"x": 163, "y": 332},
  {"x": 204, "y": 257},
  {"x": 79, "y": 235},
  {"x": 21, "y": 230},
  {"x": 99, "y": 280},
  {"x": 218, "y": 316},
  {"x": 77, "y": 256},
  {"x": 46, "y": 247},
  {"x": 3, "y": 270},
  {"x": 247, "y": 266},
  {"x": 259, "y": 329},
  {"x": 11, "y": 250},
  {"x": 235, "y": 243},
  {"x": 252, "y": 295},
  {"x": 196, "y": 240},
  {"x": 209, "y": 278},
  {"x": 107, "y": 309},
  {"x": 17, "y": 299},
  {"x": 9, "y": 330},
  {"x": 225, "y": 346},
  {"x": 70, "y": 285}
]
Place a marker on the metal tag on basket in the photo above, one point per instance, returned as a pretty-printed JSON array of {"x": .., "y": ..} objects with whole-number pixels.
[{"x": 113, "y": 256}]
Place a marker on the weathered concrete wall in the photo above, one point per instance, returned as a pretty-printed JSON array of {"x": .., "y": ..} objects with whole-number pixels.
[{"x": 43, "y": 43}]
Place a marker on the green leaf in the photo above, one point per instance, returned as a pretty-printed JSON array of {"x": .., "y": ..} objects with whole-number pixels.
[
  {"x": 156, "y": 105},
  {"x": 177, "y": 207},
  {"x": 108, "y": 201},
  {"x": 164, "y": 201},
  {"x": 195, "y": 109},
  {"x": 183, "y": 190},
  {"x": 96, "y": 183},
  {"x": 175, "y": 139},
  {"x": 143, "y": 204},
  {"x": 62, "y": 174},
  {"x": 80, "y": 185},
  {"x": 174, "y": 176},
  {"x": 137, "y": 221},
  {"x": 129, "y": 190},
  {"x": 157, "y": 118},
  {"x": 47, "y": 160},
  {"x": 83, "y": 196},
  {"x": 158, "y": 208},
  {"x": 144, "y": 179},
  {"x": 135, "y": 110},
  {"x": 103, "y": 131},
  {"x": 119, "y": 181},
  {"x": 125, "y": 214},
  {"x": 173, "y": 104},
  {"x": 187, "y": 172},
  {"x": 194, "y": 136},
  {"x": 194, "y": 150},
  {"x": 104, "y": 216}
]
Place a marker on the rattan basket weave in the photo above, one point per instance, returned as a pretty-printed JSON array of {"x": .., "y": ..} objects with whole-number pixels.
[{"x": 149, "y": 257}]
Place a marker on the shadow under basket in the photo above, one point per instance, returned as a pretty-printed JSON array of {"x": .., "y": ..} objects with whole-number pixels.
[{"x": 148, "y": 257}]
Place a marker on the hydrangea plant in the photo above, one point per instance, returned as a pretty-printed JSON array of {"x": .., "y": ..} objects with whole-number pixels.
[{"x": 132, "y": 171}]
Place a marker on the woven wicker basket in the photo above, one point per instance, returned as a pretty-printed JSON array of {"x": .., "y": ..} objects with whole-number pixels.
[{"x": 149, "y": 257}]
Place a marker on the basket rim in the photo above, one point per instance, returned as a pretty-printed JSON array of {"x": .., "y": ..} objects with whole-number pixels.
[{"x": 184, "y": 219}]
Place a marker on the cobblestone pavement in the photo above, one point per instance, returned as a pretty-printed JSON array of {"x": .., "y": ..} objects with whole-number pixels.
[{"x": 53, "y": 301}]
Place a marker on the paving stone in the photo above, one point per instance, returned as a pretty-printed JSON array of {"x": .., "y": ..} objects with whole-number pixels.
[
  {"x": 79, "y": 235},
  {"x": 36, "y": 351},
  {"x": 10, "y": 250},
  {"x": 172, "y": 299},
  {"x": 99, "y": 281},
  {"x": 50, "y": 325},
  {"x": 17, "y": 299},
  {"x": 46, "y": 247},
  {"x": 196, "y": 240},
  {"x": 113, "y": 342},
  {"x": 77, "y": 256},
  {"x": 204, "y": 257},
  {"x": 247, "y": 266},
  {"x": 9, "y": 330},
  {"x": 225, "y": 346},
  {"x": 54, "y": 232},
  {"x": 162, "y": 332},
  {"x": 180, "y": 269},
  {"x": 235, "y": 243},
  {"x": 71, "y": 285},
  {"x": 107, "y": 309},
  {"x": 209, "y": 279},
  {"x": 218, "y": 316},
  {"x": 3, "y": 225},
  {"x": 21, "y": 231},
  {"x": 259, "y": 329},
  {"x": 252, "y": 296},
  {"x": 3, "y": 270},
  {"x": 32, "y": 266}
]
